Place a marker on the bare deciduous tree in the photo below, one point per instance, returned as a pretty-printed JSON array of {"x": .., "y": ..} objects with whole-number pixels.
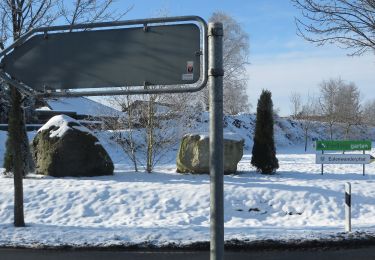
[
  {"x": 89, "y": 11},
  {"x": 295, "y": 104},
  {"x": 348, "y": 23},
  {"x": 145, "y": 133},
  {"x": 162, "y": 111},
  {"x": 340, "y": 103},
  {"x": 235, "y": 59},
  {"x": 309, "y": 109},
  {"x": 327, "y": 100},
  {"x": 19, "y": 17},
  {"x": 348, "y": 107},
  {"x": 368, "y": 114},
  {"x": 123, "y": 127},
  {"x": 16, "y": 18},
  {"x": 150, "y": 126}
]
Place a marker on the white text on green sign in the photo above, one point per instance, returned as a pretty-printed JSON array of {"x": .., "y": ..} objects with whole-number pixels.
[{"x": 347, "y": 145}]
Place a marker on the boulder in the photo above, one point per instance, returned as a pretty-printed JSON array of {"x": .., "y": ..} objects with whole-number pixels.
[
  {"x": 193, "y": 155},
  {"x": 63, "y": 147}
]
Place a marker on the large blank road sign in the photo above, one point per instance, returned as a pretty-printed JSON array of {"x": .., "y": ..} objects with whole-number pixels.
[{"x": 159, "y": 55}]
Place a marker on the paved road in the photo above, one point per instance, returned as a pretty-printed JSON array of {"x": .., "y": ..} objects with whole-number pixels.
[{"x": 20, "y": 254}]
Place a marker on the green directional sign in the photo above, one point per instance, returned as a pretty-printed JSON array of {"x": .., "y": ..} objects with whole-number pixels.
[{"x": 347, "y": 145}]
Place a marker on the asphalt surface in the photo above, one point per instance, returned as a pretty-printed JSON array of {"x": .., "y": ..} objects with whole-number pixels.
[{"x": 366, "y": 253}]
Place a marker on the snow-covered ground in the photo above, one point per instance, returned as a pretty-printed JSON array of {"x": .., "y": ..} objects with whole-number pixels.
[{"x": 166, "y": 207}]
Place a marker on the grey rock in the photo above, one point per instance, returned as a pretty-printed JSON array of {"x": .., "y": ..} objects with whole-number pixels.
[
  {"x": 193, "y": 155},
  {"x": 75, "y": 153}
]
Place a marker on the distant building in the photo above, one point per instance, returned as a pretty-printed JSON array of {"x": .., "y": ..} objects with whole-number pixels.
[
  {"x": 140, "y": 109},
  {"x": 89, "y": 112}
]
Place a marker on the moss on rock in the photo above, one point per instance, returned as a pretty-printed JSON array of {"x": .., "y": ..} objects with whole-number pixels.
[
  {"x": 76, "y": 153},
  {"x": 193, "y": 155}
]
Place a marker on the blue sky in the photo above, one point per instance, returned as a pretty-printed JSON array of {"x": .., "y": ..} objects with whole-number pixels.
[{"x": 280, "y": 60}]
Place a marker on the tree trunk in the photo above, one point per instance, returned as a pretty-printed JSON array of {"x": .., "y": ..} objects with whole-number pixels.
[
  {"x": 150, "y": 135},
  {"x": 16, "y": 124},
  {"x": 133, "y": 156},
  {"x": 305, "y": 139},
  {"x": 331, "y": 130},
  {"x": 347, "y": 130},
  {"x": 132, "y": 151},
  {"x": 131, "y": 140}
]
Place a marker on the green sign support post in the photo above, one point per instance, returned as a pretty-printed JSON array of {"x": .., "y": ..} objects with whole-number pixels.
[{"x": 347, "y": 145}]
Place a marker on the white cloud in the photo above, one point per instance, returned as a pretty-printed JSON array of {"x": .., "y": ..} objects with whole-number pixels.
[{"x": 302, "y": 72}]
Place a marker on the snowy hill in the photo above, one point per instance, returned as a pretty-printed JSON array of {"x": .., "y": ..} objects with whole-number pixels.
[
  {"x": 287, "y": 132},
  {"x": 167, "y": 208}
]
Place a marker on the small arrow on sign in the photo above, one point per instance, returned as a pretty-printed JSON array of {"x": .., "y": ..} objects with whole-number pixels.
[{"x": 372, "y": 159}]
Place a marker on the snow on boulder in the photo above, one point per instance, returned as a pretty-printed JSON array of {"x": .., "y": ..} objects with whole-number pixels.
[
  {"x": 193, "y": 155},
  {"x": 63, "y": 147}
]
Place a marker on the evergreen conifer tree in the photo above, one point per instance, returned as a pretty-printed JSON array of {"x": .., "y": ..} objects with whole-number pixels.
[{"x": 264, "y": 152}]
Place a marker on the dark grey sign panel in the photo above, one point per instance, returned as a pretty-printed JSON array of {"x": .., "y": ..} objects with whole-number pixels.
[{"x": 159, "y": 55}]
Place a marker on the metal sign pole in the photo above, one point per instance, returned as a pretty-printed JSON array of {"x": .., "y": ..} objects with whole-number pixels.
[
  {"x": 322, "y": 164},
  {"x": 363, "y": 166},
  {"x": 348, "y": 206},
  {"x": 215, "y": 40}
]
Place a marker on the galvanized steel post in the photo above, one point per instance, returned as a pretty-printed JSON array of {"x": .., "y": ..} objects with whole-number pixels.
[
  {"x": 216, "y": 73},
  {"x": 363, "y": 165},
  {"x": 348, "y": 207}
]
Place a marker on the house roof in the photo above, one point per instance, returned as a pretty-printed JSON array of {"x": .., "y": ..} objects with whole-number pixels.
[{"x": 82, "y": 106}]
